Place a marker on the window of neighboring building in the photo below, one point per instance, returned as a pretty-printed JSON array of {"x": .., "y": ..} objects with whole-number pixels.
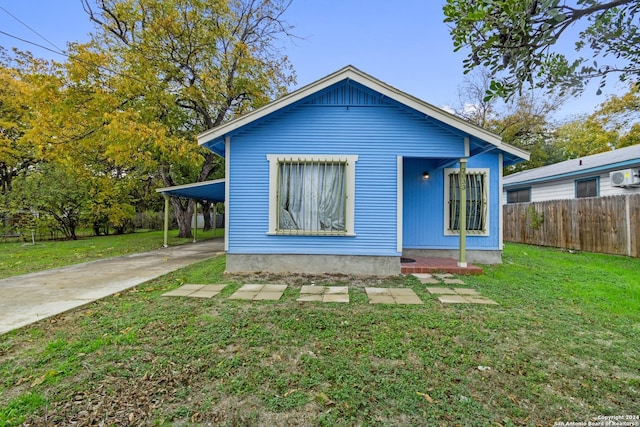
[
  {"x": 522, "y": 195},
  {"x": 477, "y": 206},
  {"x": 311, "y": 195},
  {"x": 587, "y": 187}
]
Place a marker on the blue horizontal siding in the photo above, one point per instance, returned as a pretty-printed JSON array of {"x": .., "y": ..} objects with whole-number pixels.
[
  {"x": 376, "y": 134},
  {"x": 423, "y": 206}
]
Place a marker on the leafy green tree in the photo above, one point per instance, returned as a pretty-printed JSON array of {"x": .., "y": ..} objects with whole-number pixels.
[
  {"x": 516, "y": 41},
  {"x": 177, "y": 68},
  {"x": 109, "y": 205},
  {"x": 614, "y": 124},
  {"x": 524, "y": 121},
  {"x": 55, "y": 191}
]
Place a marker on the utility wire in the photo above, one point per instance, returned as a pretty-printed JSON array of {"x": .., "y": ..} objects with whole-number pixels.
[
  {"x": 59, "y": 52},
  {"x": 32, "y": 30},
  {"x": 63, "y": 53}
]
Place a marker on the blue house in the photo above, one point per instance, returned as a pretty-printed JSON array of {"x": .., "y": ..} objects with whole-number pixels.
[{"x": 348, "y": 174}]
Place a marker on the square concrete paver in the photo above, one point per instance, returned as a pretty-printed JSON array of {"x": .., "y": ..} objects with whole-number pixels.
[
  {"x": 324, "y": 293},
  {"x": 426, "y": 278},
  {"x": 481, "y": 300},
  {"x": 308, "y": 289},
  {"x": 183, "y": 291},
  {"x": 441, "y": 291},
  {"x": 196, "y": 291},
  {"x": 401, "y": 291},
  {"x": 405, "y": 296},
  {"x": 335, "y": 298},
  {"x": 453, "y": 282},
  {"x": 256, "y": 292},
  {"x": 466, "y": 291},
  {"x": 392, "y": 296},
  {"x": 381, "y": 299},
  {"x": 310, "y": 298},
  {"x": 377, "y": 291},
  {"x": 252, "y": 287},
  {"x": 453, "y": 299},
  {"x": 268, "y": 296},
  {"x": 208, "y": 291}
]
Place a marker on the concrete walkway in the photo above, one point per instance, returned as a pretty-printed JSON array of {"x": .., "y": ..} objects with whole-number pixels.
[{"x": 32, "y": 297}]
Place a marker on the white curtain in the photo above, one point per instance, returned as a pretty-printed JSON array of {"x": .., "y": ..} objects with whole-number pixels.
[{"x": 311, "y": 196}]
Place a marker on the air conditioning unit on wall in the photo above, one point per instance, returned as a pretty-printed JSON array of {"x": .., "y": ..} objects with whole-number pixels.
[{"x": 625, "y": 178}]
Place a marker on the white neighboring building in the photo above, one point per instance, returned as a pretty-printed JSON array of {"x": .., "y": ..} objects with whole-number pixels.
[{"x": 605, "y": 174}]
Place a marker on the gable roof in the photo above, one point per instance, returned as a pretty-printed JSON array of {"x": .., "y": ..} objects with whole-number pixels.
[
  {"x": 214, "y": 138},
  {"x": 620, "y": 158}
]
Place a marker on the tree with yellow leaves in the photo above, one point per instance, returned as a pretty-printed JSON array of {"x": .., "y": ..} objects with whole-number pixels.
[
  {"x": 162, "y": 71},
  {"x": 614, "y": 124}
]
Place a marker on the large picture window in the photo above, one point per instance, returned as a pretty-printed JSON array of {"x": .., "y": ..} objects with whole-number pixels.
[
  {"x": 476, "y": 203},
  {"x": 311, "y": 195}
]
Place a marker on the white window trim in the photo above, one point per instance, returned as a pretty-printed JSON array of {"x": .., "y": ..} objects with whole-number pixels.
[
  {"x": 449, "y": 171},
  {"x": 350, "y": 178}
]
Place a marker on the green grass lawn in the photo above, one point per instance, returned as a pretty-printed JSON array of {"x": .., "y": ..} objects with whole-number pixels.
[
  {"x": 562, "y": 347},
  {"x": 23, "y": 257}
]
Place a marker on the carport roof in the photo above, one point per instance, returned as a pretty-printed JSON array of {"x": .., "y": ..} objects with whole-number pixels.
[{"x": 212, "y": 191}]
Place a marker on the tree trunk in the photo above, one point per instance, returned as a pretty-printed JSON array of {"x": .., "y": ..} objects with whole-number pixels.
[
  {"x": 183, "y": 210},
  {"x": 206, "y": 213}
]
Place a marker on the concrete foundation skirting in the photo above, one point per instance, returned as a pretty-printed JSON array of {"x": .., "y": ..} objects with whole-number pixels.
[
  {"x": 473, "y": 256},
  {"x": 314, "y": 264}
]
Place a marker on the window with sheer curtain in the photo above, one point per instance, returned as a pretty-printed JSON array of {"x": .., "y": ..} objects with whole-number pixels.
[{"x": 312, "y": 195}]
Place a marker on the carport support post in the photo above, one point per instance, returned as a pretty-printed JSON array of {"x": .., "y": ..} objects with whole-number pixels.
[
  {"x": 195, "y": 221},
  {"x": 462, "y": 222},
  {"x": 166, "y": 221},
  {"x": 215, "y": 217}
]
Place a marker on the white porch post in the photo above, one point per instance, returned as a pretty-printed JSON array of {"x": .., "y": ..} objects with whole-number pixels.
[
  {"x": 462, "y": 221},
  {"x": 166, "y": 221}
]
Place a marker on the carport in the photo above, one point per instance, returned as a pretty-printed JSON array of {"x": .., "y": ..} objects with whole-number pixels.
[{"x": 211, "y": 191}]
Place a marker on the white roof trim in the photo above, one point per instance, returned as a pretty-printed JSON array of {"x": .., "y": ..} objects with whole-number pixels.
[
  {"x": 188, "y": 186},
  {"x": 350, "y": 72}
]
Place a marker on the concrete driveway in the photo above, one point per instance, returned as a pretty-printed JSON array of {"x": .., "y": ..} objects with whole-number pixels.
[{"x": 36, "y": 296}]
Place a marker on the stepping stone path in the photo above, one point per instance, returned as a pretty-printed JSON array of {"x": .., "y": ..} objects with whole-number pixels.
[
  {"x": 196, "y": 291},
  {"x": 310, "y": 293},
  {"x": 392, "y": 296},
  {"x": 455, "y": 295},
  {"x": 324, "y": 293},
  {"x": 460, "y": 296},
  {"x": 259, "y": 292}
]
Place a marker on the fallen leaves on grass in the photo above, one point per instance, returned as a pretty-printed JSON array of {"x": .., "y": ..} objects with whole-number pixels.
[{"x": 426, "y": 396}]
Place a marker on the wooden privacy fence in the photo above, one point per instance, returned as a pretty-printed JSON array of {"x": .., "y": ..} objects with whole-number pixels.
[{"x": 608, "y": 225}]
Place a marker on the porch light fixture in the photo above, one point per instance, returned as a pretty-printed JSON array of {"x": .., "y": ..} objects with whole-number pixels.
[{"x": 425, "y": 175}]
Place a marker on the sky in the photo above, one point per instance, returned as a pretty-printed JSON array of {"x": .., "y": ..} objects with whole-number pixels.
[{"x": 404, "y": 43}]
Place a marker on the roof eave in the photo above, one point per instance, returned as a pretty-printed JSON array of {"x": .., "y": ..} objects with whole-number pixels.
[{"x": 350, "y": 72}]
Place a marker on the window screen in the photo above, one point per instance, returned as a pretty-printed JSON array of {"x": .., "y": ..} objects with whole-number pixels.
[
  {"x": 587, "y": 188},
  {"x": 522, "y": 195}
]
